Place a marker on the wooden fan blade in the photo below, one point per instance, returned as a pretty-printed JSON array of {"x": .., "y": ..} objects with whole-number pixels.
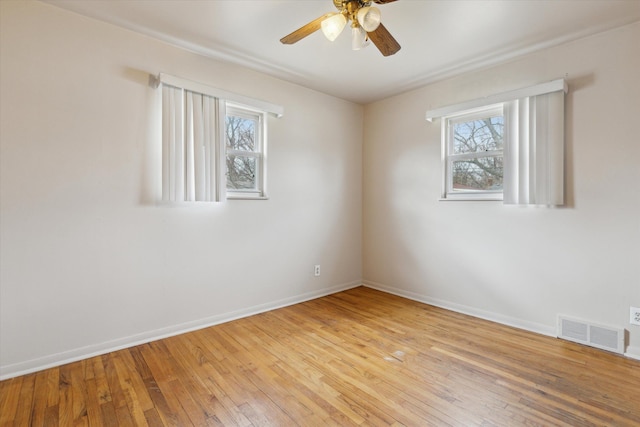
[
  {"x": 383, "y": 1},
  {"x": 305, "y": 30},
  {"x": 384, "y": 41}
]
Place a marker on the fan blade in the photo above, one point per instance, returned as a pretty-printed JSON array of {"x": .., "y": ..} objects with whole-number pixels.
[
  {"x": 384, "y": 41},
  {"x": 383, "y": 1},
  {"x": 305, "y": 30}
]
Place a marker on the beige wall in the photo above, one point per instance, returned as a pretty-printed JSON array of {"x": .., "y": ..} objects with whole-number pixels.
[
  {"x": 521, "y": 266},
  {"x": 89, "y": 262}
]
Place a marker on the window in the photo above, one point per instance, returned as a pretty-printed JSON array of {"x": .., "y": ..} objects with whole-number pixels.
[
  {"x": 506, "y": 147},
  {"x": 213, "y": 143},
  {"x": 245, "y": 152},
  {"x": 473, "y": 154}
]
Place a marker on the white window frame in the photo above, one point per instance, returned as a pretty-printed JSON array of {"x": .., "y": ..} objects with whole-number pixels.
[
  {"x": 449, "y": 157},
  {"x": 259, "y": 153}
]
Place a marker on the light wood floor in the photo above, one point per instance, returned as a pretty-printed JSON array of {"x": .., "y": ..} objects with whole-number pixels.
[{"x": 359, "y": 357}]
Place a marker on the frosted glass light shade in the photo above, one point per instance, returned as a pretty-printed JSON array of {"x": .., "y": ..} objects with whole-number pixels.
[
  {"x": 358, "y": 38},
  {"x": 369, "y": 18},
  {"x": 333, "y": 26}
]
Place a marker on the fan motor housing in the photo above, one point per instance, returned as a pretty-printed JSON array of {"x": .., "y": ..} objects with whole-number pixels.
[{"x": 342, "y": 4}]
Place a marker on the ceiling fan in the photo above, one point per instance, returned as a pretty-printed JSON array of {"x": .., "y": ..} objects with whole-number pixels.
[{"x": 365, "y": 26}]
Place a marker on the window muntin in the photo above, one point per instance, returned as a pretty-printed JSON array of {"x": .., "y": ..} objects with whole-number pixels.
[
  {"x": 473, "y": 154},
  {"x": 245, "y": 152}
]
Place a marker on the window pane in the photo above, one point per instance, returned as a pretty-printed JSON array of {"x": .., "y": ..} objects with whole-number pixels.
[
  {"x": 483, "y": 174},
  {"x": 478, "y": 135},
  {"x": 241, "y": 173},
  {"x": 241, "y": 133}
]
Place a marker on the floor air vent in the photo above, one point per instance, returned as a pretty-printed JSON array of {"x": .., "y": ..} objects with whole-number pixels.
[{"x": 587, "y": 333}]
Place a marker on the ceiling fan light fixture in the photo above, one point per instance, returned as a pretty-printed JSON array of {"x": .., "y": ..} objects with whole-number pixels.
[
  {"x": 369, "y": 18},
  {"x": 333, "y": 26},
  {"x": 365, "y": 19},
  {"x": 358, "y": 38}
]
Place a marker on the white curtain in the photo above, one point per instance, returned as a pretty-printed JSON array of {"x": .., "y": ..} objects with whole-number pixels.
[
  {"x": 534, "y": 150},
  {"x": 189, "y": 146}
]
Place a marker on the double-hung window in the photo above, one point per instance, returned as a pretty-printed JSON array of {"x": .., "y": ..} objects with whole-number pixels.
[
  {"x": 473, "y": 154},
  {"x": 245, "y": 146}
]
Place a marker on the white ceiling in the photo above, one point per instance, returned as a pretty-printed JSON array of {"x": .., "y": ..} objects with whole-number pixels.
[{"x": 439, "y": 38}]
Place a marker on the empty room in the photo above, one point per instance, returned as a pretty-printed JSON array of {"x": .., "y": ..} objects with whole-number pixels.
[{"x": 326, "y": 212}]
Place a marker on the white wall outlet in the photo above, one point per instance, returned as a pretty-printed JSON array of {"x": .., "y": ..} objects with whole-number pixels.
[
  {"x": 634, "y": 317},
  {"x": 316, "y": 270}
]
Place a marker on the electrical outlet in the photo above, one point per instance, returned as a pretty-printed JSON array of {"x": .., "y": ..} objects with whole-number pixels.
[
  {"x": 316, "y": 270},
  {"x": 635, "y": 316}
]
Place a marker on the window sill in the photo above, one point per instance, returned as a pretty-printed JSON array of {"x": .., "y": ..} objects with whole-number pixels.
[
  {"x": 246, "y": 197},
  {"x": 471, "y": 197}
]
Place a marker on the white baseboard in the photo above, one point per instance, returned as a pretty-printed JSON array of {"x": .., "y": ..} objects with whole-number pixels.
[
  {"x": 633, "y": 353},
  {"x": 50, "y": 361},
  {"x": 471, "y": 311}
]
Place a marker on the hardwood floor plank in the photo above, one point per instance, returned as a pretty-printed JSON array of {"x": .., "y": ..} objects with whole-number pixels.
[
  {"x": 93, "y": 402},
  {"x": 159, "y": 407},
  {"x": 79, "y": 392},
  {"x": 39, "y": 399},
  {"x": 359, "y": 357},
  {"x": 153, "y": 418},
  {"x": 51, "y": 393},
  {"x": 103, "y": 393},
  {"x": 138, "y": 395},
  {"x": 24, "y": 410},
  {"x": 136, "y": 401},
  {"x": 123, "y": 416},
  {"x": 109, "y": 416},
  {"x": 51, "y": 416},
  {"x": 9, "y": 398},
  {"x": 65, "y": 396}
]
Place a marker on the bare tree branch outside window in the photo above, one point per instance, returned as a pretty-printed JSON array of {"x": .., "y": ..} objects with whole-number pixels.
[
  {"x": 480, "y": 144},
  {"x": 241, "y": 144}
]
